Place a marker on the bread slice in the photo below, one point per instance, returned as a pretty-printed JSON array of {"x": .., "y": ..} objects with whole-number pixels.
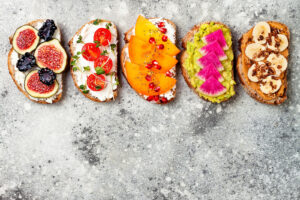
[
  {"x": 243, "y": 65},
  {"x": 124, "y": 57},
  {"x": 189, "y": 37},
  {"x": 14, "y": 72},
  {"x": 72, "y": 45}
]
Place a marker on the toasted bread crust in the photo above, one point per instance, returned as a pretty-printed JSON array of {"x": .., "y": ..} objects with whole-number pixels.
[
  {"x": 127, "y": 36},
  {"x": 241, "y": 65},
  {"x": 72, "y": 50},
  {"x": 188, "y": 38},
  {"x": 11, "y": 70}
]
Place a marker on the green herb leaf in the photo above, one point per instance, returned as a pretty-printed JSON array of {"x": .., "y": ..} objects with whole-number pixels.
[
  {"x": 73, "y": 62},
  {"x": 113, "y": 46},
  {"x": 74, "y": 68},
  {"x": 85, "y": 91},
  {"x": 97, "y": 43},
  {"x": 98, "y": 87},
  {"x": 75, "y": 57},
  {"x": 79, "y": 39},
  {"x": 117, "y": 81},
  {"x": 103, "y": 53},
  {"x": 78, "y": 53},
  {"x": 100, "y": 70},
  {"x": 108, "y": 25},
  {"x": 97, "y": 21},
  {"x": 86, "y": 68},
  {"x": 82, "y": 87}
]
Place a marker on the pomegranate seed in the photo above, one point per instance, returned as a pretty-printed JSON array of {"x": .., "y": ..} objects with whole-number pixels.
[
  {"x": 169, "y": 74},
  {"x": 157, "y": 89},
  {"x": 161, "y": 24},
  {"x": 152, "y": 40},
  {"x": 161, "y": 46},
  {"x": 163, "y": 30},
  {"x": 148, "y": 77},
  {"x": 150, "y": 98},
  {"x": 151, "y": 85},
  {"x": 157, "y": 67},
  {"x": 148, "y": 66},
  {"x": 156, "y": 98},
  {"x": 164, "y": 38},
  {"x": 164, "y": 100},
  {"x": 154, "y": 62}
]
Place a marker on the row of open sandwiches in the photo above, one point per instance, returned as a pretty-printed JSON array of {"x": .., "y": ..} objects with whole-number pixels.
[{"x": 148, "y": 60}]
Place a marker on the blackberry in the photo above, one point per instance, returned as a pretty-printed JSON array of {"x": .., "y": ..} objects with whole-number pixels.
[
  {"x": 26, "y": 62},
  {"x": 47, "y": 76},
  {"x": 47, "y": 30}
]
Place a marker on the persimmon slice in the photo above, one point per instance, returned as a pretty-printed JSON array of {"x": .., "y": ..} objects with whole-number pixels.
[
  {"x": 143, "y": 53},
  {"x": 145, "y": 29},
  {"x": 139, "y": 81}
]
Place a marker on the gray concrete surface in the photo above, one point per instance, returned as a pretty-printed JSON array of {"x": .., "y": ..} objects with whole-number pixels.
[{"x": 130, "y": 149}]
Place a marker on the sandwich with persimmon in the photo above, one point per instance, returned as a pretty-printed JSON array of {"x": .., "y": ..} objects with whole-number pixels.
[{"x": 148, "y": 59}]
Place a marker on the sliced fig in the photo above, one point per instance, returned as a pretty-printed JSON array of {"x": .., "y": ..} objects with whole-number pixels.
[
  {"x": 25, "y": 39},
  {"x": 36, "y": 88},
  {"x": 51, "y": 55}
]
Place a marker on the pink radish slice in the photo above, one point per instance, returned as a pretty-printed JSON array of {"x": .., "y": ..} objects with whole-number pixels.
[
  {"x": 210, "y": 58},
  {"x": 216, "y": 36},
  {"x": 214, "y": 47},
  {"x": 208, "y": 71},
  {"x": 212, "y": 87}
]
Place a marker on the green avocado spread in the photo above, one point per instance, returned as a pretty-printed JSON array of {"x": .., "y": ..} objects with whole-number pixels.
[{"x": 194, "y": 54}]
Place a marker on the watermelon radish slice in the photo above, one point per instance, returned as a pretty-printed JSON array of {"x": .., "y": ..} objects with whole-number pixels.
[
  {"x": 208, "y": 71},
  {"x": 210, "y": 58},
  {"x": 212, "y": 87},
  {"x": 216, "y": 36},
  {"x": 214, "y": 47}
]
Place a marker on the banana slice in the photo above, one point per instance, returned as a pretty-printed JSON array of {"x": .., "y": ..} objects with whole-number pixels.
[
  {"x": 253, "y": 51},
  {"x": 282, "y": 44},
  {"x": 270, "y": 85},
  {"x": 261, "y": 32},
  {"x": 278, "y": 62},
  {"x": 252, "y": 73}
]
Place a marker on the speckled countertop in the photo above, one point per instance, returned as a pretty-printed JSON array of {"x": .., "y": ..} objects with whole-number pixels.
[{"x": 130, "y": 149}]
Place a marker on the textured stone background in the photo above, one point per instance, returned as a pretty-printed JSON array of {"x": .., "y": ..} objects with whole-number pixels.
[{"x": 130, "y": 149}]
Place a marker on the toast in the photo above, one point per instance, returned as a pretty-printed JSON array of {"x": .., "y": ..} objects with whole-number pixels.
[
  {"x": 169, "y": 95},
  {"x": 189, "y": 76},
  {"x": 19, "y": 77},
  {"x": 252, "y": 68},
  {"x": 80, "y": 76}
]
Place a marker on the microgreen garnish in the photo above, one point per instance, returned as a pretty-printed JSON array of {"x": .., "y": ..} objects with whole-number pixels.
[
  {"x": 99, "y": 70},
  {"x": 75, "y": 69},
  {"x": 86, "y": 68},
  {"x": 97, "y": 21},
  {"x": 85, "y": 91},
  {"x": 103, "y": 53},
  {"x": 117, "y": 81},
  {"x": 82, "y": 87},
  {"x": 108, "y": 25},
  {"x": 98, "y": 87},
  {"x": 97, "y": 43},
  {"x": 113, "y": 46},
  {"x": 79, "y": 39}
]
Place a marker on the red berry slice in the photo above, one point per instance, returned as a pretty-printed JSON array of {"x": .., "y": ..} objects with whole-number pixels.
[
  {"x": 105, "y": 63},
  {"x": 90, "y": 52},
  {"x": 96, "y": 82},
  {"x": 103, "y": 36},
  {"x": 161, "y": 24},
  {"x": 163, "y": 30}
]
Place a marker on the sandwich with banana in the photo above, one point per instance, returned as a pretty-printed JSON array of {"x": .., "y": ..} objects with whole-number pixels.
[{"x": 262, "y": 64}]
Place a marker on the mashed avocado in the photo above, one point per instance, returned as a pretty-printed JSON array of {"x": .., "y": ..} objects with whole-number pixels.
[{"x": 194, "y": 54}]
